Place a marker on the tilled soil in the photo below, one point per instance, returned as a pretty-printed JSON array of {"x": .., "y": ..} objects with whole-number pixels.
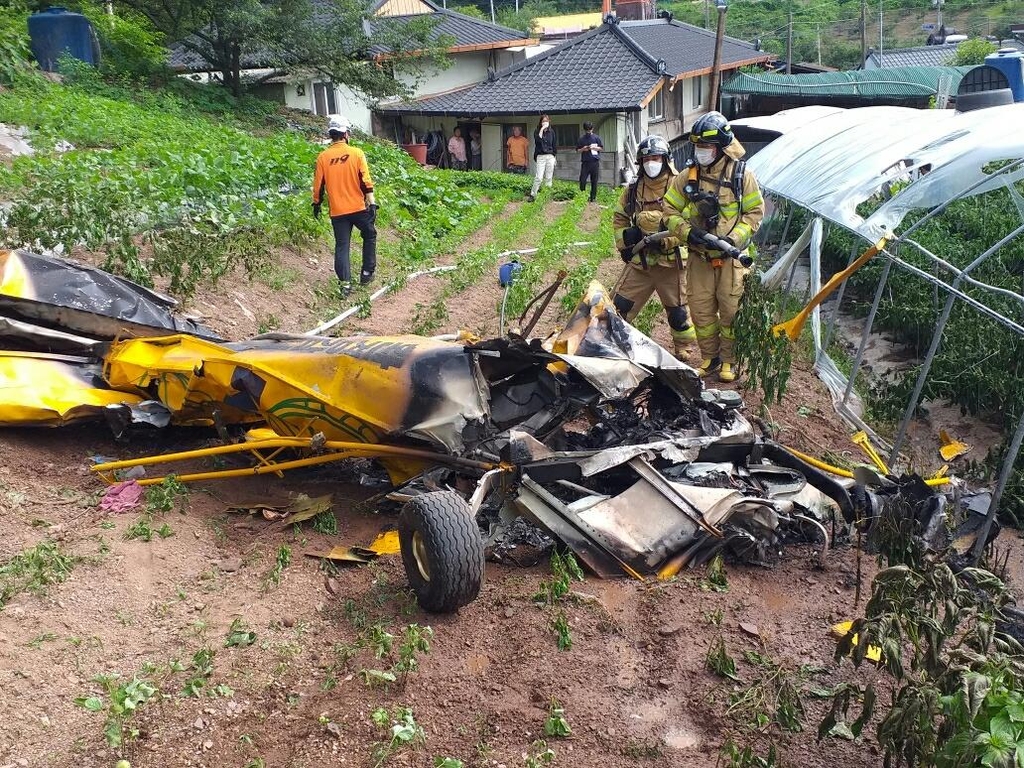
[{"x": 634, "y": 683}]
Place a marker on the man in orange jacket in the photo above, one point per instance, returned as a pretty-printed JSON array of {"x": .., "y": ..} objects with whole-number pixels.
[{"x": 342, "y": 173}]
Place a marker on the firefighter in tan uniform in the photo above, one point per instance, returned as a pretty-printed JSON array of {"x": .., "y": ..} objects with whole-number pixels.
[
  {"x": 661, "y": 266},
  {"x": 715, "y": 195}
]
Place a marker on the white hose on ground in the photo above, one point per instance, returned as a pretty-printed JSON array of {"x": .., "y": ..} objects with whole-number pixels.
[{"x": 339, "y": 319}]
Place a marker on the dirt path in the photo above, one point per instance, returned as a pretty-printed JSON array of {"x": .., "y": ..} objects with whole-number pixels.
[{"x": 634, "y": 685}]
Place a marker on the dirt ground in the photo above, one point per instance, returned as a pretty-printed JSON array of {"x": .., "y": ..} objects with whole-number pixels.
[{"x": 294, "y": 692}]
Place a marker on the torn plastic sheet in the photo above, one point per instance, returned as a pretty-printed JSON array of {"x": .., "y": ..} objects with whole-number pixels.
[
  {"x": 837, "y": 162},
  {"x": 38, "y": 389},
  {"x": 851, "y": 408},
  {"x": 84, "y": 300}
]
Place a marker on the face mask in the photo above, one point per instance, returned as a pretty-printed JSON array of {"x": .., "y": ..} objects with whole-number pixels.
[
  {"x": 653, "y": 167},
  {"x": 704, "y": 156}
]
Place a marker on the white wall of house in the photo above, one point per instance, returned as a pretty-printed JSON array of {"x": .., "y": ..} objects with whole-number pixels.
[{"x": 465, "y": 69}]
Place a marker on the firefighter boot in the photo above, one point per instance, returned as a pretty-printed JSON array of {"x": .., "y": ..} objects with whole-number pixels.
[
  {"x": 681, "y": 341},
  {"x": 728, "y": 372},
  {"x": 709, "y": 366}
]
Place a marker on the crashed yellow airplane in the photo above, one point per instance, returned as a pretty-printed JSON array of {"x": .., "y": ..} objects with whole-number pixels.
[{"x": 595, "y": 435}]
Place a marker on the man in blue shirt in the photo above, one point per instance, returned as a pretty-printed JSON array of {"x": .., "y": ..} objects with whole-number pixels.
[{"x": 589, "y": 146}]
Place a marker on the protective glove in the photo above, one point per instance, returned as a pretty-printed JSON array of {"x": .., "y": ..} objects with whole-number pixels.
[
  {"x": 696, "y": 236},
  {"x": 631, "y": 236},
  {"x": 669, "y": 244},
  {"x": 316, "y": 210},
  {"x": 649, "y": 222},
  {"x": 372, "y": 208}
]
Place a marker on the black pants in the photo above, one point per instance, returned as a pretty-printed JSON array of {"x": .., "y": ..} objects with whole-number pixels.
[
  {"x": 363, "y": 221},
  {"x": 590, "y": 171}
]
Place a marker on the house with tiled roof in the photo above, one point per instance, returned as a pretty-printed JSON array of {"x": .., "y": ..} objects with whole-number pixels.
[
  {"x": 474, "y": 47},
  {"x": 630, "y": 78},
  {"x": 920, "y": 56}
]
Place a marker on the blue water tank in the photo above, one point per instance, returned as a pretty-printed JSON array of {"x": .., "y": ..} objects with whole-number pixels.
[
  {"x": 1010, "y": 62},
  {"x": 56, "y": 31}
]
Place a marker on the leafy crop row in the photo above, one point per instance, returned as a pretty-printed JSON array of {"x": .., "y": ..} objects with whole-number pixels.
[{"x": 206, "y": 195}]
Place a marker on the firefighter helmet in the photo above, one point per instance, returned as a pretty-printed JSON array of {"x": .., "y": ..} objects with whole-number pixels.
[
  {"x": 652, "y": 146},
  {"x": 712, "y": 128}
]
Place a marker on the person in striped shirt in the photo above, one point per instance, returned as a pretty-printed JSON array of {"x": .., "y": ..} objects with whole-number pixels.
[{"x": 718, "y": 195}]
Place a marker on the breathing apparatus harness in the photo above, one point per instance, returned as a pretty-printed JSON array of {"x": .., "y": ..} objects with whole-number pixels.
[
  {"x": 632, "y": 210},
  {"x": 709, "y": 207},
  {"x": 708, "y": 204}
]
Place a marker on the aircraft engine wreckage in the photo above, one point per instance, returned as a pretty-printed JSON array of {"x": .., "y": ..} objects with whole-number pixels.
[{"x": 595, "y": 434}]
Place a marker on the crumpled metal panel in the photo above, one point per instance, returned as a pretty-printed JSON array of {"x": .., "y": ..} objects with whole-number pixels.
[
  {"x": 596, "y": 330},
  {"x": 85, "y": 300},
  {"x": 39, "y": 389},
  {"x": 360, "y": 389}
]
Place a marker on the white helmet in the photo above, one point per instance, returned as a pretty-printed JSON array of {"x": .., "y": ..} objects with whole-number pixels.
[{"x": 338, "y": 123}]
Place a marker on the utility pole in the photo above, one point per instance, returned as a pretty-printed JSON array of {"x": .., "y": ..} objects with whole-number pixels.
[
  {"x": 881, "y": 24},
  {"x": 789, "y": 45},
  {"x": 707, "y": 14},
  {"x": 938, "y": 4},
  {"x": 819, "y": 44},
  {"x": 716, "y": 66},
  {"x": 492, "y": 11},
  {"x": 863, "y": 31}
]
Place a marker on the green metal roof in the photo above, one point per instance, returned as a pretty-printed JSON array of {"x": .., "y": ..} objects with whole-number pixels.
[{"x": 867, "y": 84}]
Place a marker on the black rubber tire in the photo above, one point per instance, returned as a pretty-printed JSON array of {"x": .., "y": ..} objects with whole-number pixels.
[{"x": 441, "y": 528}]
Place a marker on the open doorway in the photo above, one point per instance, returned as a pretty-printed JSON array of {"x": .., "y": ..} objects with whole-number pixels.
[
  {"x": 471, "y": 132},
  {"x": 506, "y": 134}
]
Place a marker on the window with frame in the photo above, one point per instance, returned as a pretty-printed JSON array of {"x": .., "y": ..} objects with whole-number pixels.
[
  {"x": 567, "y": 134},
  {"x": 323, "y": 99},
  {"x": 656, "y": 107},
  {"x": 696, "y": 92}
]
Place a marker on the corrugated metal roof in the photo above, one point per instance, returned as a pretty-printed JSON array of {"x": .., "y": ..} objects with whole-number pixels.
[
  {"x": 921, "y": 56},
  {"x": 873, "y": 83}
]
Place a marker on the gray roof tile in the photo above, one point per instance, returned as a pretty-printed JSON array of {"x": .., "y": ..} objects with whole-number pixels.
[
  {"x": 465, "y": 30},
  {"x": 596, "y": 71},
  {"x": 686, "y": 48}
]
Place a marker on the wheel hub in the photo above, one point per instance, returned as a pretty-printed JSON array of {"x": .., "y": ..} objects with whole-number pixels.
[{"x": 419, "y": 553}]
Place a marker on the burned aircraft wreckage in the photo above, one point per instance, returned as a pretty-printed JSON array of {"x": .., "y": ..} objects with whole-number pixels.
[{"x": 594, "y": 436}]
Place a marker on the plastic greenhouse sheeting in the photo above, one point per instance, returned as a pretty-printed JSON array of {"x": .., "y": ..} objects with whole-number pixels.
[
  {"x": 839, "y": 161},
  {"x": 916, "y": 160}
]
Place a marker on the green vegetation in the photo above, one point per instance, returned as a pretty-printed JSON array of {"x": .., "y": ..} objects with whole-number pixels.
[
  {"x": 34, "y": 569},
  {"x": 556, "y": 724},
  {"x": 402, "y": 733},
  {"x": 124, "y": 700},
  {"x": 764, "y": 356},
  {"x": 159, "y": 500},
  {"x": 14, "y": 50},
  {"x": 959, "y": 682},
  {"x": 978, "y": 365}
]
